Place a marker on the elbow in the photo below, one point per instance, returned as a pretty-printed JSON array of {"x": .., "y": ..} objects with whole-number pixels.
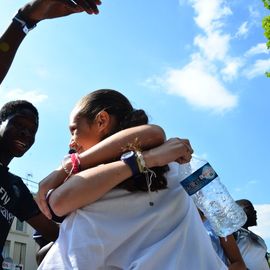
[
  {"x": 56, "y": 205},
  {"x": 158, "y": 136}
]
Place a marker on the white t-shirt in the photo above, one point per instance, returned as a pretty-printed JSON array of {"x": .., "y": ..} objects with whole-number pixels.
[
  {"x": 121, "y": 231},
  {"x": 253, "y": 250}
]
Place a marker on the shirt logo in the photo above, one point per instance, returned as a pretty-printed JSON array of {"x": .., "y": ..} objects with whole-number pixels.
[
  {"x": 6, "y": 214},
  {"x": 4, "y": 198}
]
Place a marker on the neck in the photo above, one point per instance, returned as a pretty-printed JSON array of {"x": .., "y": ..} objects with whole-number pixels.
[{"x": 4, "y": 161}]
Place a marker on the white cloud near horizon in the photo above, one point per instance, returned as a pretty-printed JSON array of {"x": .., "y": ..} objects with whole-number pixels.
[
  {"x": 263, "y": 220},
  {"x": 33, "y": 96}
]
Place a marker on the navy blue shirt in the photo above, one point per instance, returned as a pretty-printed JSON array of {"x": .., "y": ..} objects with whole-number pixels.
[{"x": 15, "y": 200}]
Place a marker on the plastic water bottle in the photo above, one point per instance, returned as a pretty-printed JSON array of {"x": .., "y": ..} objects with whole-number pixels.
[{"x": 202, "y": 183}]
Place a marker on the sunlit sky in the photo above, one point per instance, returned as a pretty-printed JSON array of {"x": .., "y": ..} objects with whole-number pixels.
[{"x": 196, "y": 67}]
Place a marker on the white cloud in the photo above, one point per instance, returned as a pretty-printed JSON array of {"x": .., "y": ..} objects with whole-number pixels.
[
  {"x": 260, "y": 48},
  {"x": 33, "y": 96},
  {"x": 215, "y": 46},
  {"x": 242, "y": 30},
  {"x": 199, "y": 87},
  {"x": 201, "y": 81},
  {"x": 263, "y": 215},
  {"x": 231, "y": 69},
  {"x": 209, "y": 13},
  {"x": 257, "y": 69}
]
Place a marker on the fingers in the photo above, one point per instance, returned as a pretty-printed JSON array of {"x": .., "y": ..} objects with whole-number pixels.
[
  {"x": 90, "y": 6},
  {"x": 185, "y": 149},
  {"x": 42, "y": 203}
]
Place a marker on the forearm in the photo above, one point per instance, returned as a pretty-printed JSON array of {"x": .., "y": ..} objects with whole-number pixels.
[
  {"x": 9, "y": 43},
  {"x": 233, "y": 253},
  {"x": 147, "y": 136},
  {"x": 46, "y": 227},
  {"x": 87, "y": 186},
  {"x": 238, "y": 266}
]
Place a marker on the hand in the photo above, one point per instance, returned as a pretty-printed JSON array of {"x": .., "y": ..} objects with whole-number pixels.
[
  {"x": 174, "y": 149},
  {"x": 52, "y": 181},
  {"x": 38, "y": 10}
]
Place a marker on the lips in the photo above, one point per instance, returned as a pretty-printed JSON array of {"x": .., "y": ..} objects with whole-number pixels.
[{"x": 22, "y": 146}]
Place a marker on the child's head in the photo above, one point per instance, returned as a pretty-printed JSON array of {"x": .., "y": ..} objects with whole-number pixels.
[
  {"x": 18, "y": 127},
  {"x": 100, "y": 114}
]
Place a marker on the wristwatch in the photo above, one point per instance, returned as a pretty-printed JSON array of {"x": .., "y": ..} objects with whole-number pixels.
[
  {"x": 26, "y": 26},
  {"x": 130, "y": 158}
]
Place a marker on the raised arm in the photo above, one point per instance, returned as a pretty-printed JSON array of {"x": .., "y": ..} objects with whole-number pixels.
[{"x": 28, "y": 16}]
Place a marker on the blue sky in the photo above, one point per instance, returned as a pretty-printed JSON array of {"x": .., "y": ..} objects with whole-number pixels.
[{"x": 196, "y": 67}]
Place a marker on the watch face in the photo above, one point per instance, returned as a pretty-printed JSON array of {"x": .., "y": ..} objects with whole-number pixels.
[{"x": 127, "y": 155}]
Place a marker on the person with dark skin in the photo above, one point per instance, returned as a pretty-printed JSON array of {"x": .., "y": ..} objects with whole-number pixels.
[
  {"x": 18, "y": 127},
  {"x": 251, "y": 245},
  {"x": 27, "y": 18}
]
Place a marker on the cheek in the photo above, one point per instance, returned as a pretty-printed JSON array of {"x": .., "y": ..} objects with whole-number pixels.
[{"x": 83, "y": 139}]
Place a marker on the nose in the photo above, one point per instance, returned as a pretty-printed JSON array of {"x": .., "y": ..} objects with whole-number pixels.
[
  {"x": 26, "y": 133},
  {"x": 72, "y": 144}
]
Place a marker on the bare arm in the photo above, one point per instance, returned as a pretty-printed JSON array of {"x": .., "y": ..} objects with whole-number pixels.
[
  {"x": 91, "y": 184},
  {"x": 233, "y": 254},
  {"x": 32, "y": 13},
  {"x": 9, "y": 43},
  {"x": 46, "y": 227},
  {"x": 107, "y": 150}
]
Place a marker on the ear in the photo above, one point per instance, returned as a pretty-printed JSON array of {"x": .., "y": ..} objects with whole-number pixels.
[{"x": 103, "y": 121}]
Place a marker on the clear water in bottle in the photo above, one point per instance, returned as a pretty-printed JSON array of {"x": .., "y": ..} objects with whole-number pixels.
[{"x": 202, "y": 183}]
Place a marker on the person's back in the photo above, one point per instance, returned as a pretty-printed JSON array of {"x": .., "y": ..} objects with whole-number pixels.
[
  {"x": 251, "y": 245},
  {"x": 122, "y": 231}
]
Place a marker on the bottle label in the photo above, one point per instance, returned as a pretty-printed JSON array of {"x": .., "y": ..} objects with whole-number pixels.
[{"x": 199, "y": 179}]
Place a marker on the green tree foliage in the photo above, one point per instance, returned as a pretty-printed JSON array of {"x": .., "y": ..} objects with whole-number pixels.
[{"x": 266, "y": 27}]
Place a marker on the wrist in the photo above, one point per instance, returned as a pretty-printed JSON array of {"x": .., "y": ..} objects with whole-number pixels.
[
  {"x": 25, "y": 24},
  {"x": 149, "y": 159},
  {"x": 27, "y": 15}
]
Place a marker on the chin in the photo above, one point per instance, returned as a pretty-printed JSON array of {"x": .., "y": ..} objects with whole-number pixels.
[{"x": 19, "y": 153}]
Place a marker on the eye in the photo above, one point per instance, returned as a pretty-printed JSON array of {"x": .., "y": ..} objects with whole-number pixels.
[{"x": 72, "y": 129}]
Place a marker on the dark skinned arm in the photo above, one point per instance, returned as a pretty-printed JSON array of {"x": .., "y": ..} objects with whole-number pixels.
[{"x": 32, "y": 13}]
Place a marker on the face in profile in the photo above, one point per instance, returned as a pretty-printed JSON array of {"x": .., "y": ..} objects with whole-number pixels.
[
  {"x": 84, "y": 134},
  {"x": 250, "y": 212},
  {"x": 18, "y": 133}
]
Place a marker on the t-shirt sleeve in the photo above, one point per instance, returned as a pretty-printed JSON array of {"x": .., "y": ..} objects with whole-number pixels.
[{"x": 27, "y": 206}]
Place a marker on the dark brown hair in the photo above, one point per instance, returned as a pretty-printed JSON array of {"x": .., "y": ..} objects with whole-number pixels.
[{"x": 116, "y": 104}]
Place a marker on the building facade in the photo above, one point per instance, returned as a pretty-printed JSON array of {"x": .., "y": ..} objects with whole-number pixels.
[
  {"x": 20, "y": 247},
  {"x": 19, "y": 252}
]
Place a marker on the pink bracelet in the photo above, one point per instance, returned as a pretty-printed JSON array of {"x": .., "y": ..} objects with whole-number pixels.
[{"x": 75, "y": 160}]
